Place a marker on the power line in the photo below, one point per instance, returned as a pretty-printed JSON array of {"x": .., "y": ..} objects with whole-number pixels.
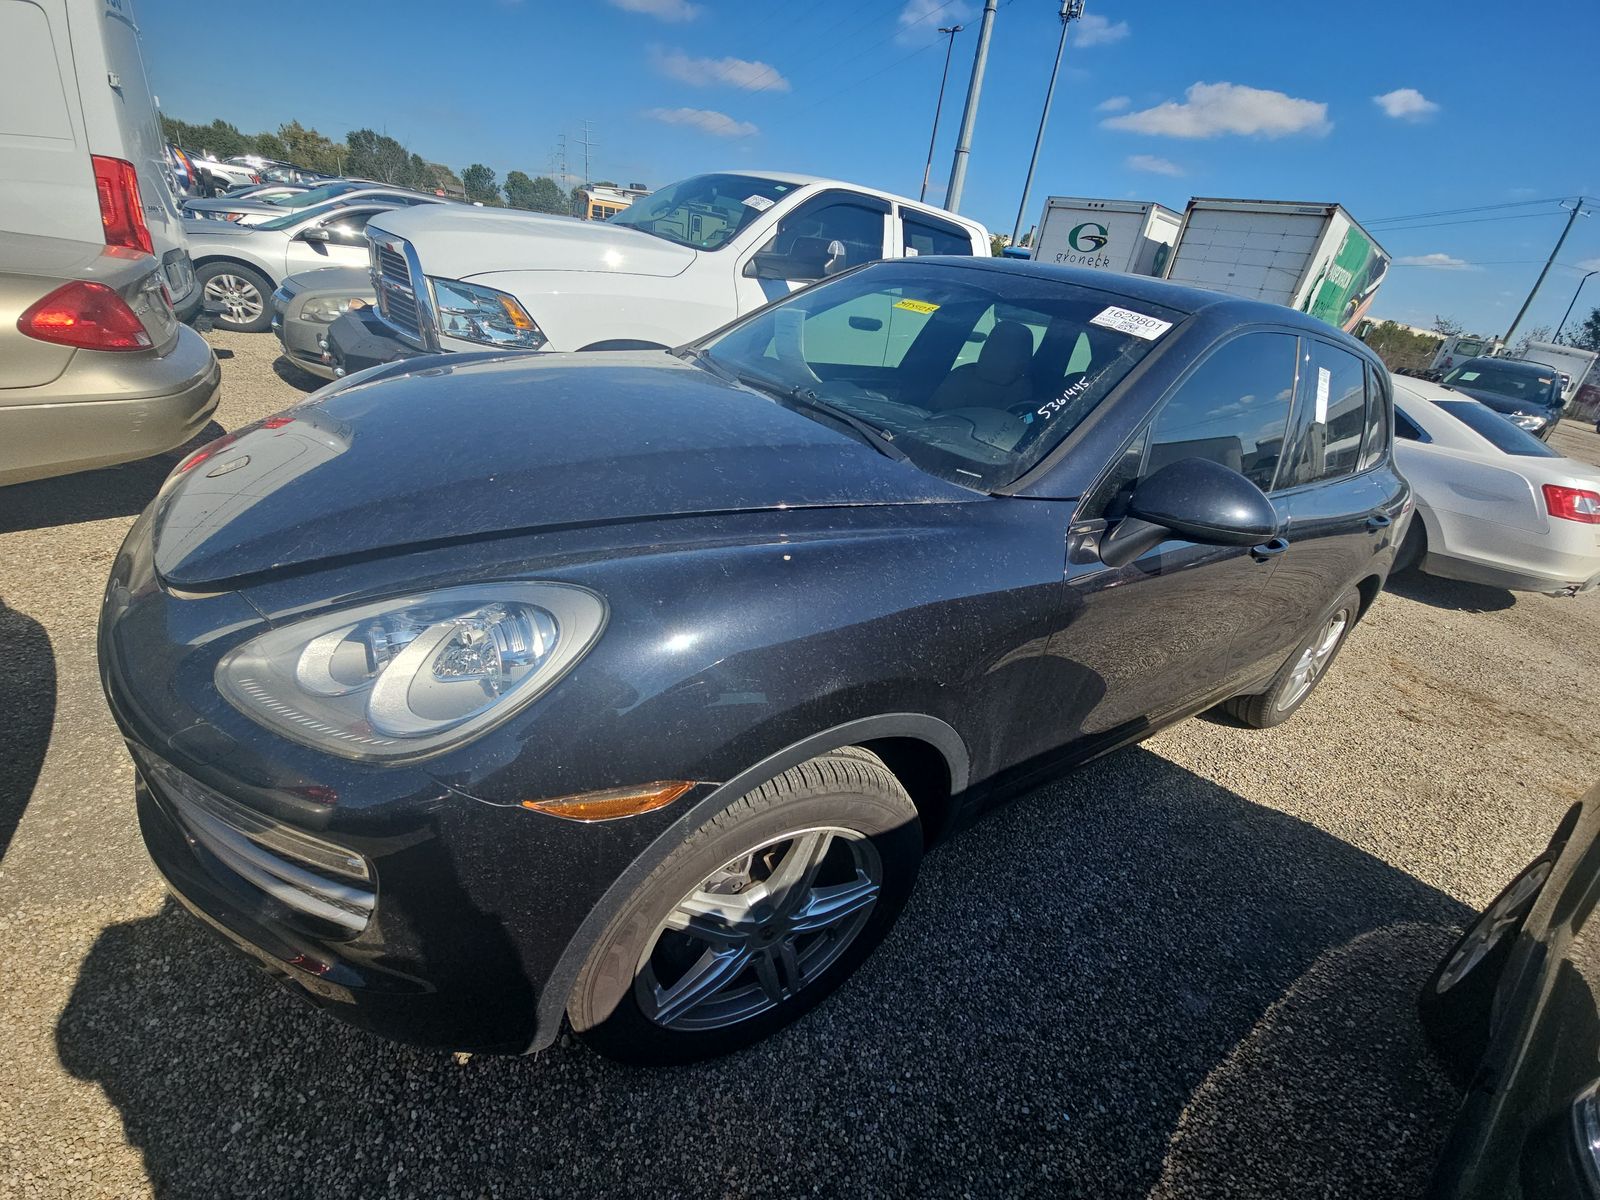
[
  {"x": 1452, "y": 212},
  {"x": 1464, "y": 221}
]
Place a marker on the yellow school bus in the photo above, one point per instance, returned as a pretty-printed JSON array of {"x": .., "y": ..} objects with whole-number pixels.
[{"x": 598, "y": 202}]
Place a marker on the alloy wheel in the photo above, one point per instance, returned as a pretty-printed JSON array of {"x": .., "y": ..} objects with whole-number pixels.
[
  {"x": 236, "y": 296},
  {"x": 1314, "y": 660},
  {"x": 1502, "y": 917},
  {"x": 759, "y": 929}
]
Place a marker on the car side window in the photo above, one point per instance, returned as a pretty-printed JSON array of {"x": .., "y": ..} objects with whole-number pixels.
[
  {"x": 801, "y": 244},
  {"x": 1407, "y": 429},
  {"x": 347, "y": 228},
  {"x": 1233, "y": 409},
  {"x": 923, "y": 235},
  {"x": 1375, "y": 441},
  {"x": 1333, "y": 414}
]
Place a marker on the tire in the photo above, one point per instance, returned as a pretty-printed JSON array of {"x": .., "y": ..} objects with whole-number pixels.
[
  {"x": 246, "y": 293},
  {"x": 629, "y": 1001},
  {"x": 1457, "y": 1002},
  {"x": 1412, "y": 548},
  {"x": 1290, "y": 688}
]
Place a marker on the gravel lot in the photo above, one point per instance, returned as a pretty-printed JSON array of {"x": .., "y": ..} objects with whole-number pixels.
[{"x": 1185, "y": 971}]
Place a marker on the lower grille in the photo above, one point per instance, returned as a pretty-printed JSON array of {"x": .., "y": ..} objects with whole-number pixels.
[{"x": 305, "y": 874}]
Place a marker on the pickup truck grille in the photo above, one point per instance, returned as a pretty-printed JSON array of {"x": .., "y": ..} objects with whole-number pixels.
[{"x": 391, "y": 278}]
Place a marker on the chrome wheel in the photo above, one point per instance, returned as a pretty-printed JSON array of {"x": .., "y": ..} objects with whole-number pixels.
[
  {"x": 1504, "y": 915},
  {"x": 239, "y": 299},
  {"x": 759, "y": 929},
  {"x": 1308, "y": 669}
]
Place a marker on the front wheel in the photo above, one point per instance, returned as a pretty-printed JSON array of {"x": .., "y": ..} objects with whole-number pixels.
[
  {"x": 1300, "y": 675},
  {"x": 1457, "y": 1002},
  {"x": 238, "y": 297},
  {"x": 756, "y": 917}
]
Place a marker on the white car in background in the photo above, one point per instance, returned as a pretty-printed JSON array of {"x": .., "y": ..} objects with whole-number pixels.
[{"x": 1495, "y": 505}]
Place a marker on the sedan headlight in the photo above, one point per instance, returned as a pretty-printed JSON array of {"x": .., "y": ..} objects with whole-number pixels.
[
  {"x": 413, "y": 676},
  {"x": 481, "y": 314},
  {"x": 327, "y": 309},
  {"x": 1526, "y": 420}
]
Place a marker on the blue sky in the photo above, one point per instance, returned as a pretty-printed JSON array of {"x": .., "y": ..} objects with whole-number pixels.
[{"x": 1158, "y": 101}]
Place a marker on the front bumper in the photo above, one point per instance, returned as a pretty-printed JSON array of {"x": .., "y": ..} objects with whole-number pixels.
[
  {"x": 358, "y": 340},
  {"x": 302, "y": 342}
]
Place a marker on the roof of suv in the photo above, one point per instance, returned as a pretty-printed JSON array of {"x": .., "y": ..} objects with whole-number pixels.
[{"x": 1516, "y": 364}]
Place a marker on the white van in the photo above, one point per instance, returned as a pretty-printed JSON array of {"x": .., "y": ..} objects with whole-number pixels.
[{"x": 82, "y": 156}]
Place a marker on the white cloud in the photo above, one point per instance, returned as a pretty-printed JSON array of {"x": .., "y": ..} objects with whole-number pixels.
[
  {"x": 1406, "y": 104},
  {"x": 704, "y": 119},
  {"x": 1113, "y": 104},
  {"x": 1152, "y": 164},
  {"x": 1435, "y": 262},
  {"x": 1095, "y": 30},
  {"x": 919, "y": 20},
  {"x": 663, "y": 10},
  {"x": 1588, "y": 264},
  {"x": 1211, "y": 109},
  {"x": 734, "y": 72}
]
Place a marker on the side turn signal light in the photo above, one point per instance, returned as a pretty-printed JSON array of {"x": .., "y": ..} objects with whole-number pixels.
[{"x": 612, "y": 803}]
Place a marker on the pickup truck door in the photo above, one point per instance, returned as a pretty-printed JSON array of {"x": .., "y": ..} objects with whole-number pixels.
[{"x": 820, "y": 236}]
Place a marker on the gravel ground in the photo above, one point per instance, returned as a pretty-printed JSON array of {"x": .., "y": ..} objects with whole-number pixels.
[{"x": 1184, "y": 971}]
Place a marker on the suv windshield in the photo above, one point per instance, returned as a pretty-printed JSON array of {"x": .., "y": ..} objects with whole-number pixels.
[
  {"x": 1507, "y": 382},
  {"x": 704, "y": 212},
  {"x": 973, "y": 375},
  {"x": 317, "y": 195}
]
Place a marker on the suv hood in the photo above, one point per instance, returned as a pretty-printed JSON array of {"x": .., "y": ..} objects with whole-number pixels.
[
  {"x": 498, "y": 445},
  {"x": 457, "y": 241}
]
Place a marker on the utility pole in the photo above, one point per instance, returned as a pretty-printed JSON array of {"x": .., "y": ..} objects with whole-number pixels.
[
  {"x": 1577, "y": 207},
  {"x": 951, "y": 32},
  {"x": 1570, "y": 303},
  {"x": 1071, "y": 10},
  {"x": 969, "y": 117},
  {"x": 588, "y": 145}
]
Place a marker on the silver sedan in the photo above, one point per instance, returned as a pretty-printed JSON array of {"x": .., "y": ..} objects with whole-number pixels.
[{"x": 1495, "y": 505}]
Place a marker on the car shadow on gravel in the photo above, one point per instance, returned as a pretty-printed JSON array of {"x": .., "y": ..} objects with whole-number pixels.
[
  {"x": 291, "y": 374},
  {"x": 1454, "y": 594},
  {"x": 27, "y": 713},
  {"x": 119, "y": 491},
  {"x": 1128, "y": 980}
]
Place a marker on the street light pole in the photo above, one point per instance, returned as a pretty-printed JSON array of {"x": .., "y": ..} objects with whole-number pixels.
[
  {"x": 969, "y": 116},
  {"x": 1071, "y": 10},
  {"x": 1577, "y": 207},
  {"x": 1573, "y": 301},
  {"x": 951, "y": 31}
]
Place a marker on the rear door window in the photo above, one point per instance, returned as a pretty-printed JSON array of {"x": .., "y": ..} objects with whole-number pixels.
[
  {"x": 1375, "y": 442},
  {"x": 924, "y": 235},
  {"x": 1332, "y": 415}
]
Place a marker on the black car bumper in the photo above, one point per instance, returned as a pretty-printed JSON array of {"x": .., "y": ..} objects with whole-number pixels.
[{"x": 358, "y": 340}]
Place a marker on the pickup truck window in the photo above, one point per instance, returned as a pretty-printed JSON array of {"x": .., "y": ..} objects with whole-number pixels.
[
  {"x": 883, "y": 345},
  {"x": 923, "y": 235},
  {"x": 706, "y": 211}
]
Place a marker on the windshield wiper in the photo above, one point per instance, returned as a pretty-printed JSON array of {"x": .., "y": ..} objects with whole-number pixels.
[{"x": 880, "y": 440}]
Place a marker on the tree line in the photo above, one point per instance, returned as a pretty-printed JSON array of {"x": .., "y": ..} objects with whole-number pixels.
[{"x": 367, "y": 154}]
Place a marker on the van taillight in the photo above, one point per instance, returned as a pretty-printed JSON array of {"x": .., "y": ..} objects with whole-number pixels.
[
  {"x": 1572, "y": 504},
  {"x": 120, "y": 210},
  {"x": 85, "y": 314}
]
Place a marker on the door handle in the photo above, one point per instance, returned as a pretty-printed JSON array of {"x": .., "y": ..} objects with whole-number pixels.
[
  {"x": 1379, "y": 520},
  {"x": 1269, "y": 550}
]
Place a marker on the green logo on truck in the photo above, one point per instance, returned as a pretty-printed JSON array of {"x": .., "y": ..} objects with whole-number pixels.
[{"x": 1087, "y": 243}]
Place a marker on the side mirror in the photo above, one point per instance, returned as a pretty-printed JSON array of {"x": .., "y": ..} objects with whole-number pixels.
[
  {"x": 315, "y": 235},
  {"x": 834, "y": 263},
  {"x": 1194, "y": 499}
]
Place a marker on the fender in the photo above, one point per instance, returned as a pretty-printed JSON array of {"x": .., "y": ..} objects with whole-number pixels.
[{"x": 552, "y": 1003}]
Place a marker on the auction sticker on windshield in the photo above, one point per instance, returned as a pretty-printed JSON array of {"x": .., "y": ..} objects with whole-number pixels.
[
  {"x": 759, "y": 203},
  {"x": 916, "y": 306},
  {"x": 1126, "y": 321}
]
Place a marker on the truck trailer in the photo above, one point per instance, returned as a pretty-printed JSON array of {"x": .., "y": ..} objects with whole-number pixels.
[
  {"x": 1131, "y": 236},
  {"x": 1313, "y": 258},
  {"x": 1575, "y": 365}
]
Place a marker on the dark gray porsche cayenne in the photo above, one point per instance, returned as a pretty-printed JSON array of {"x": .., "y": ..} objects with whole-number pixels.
[{"x": 478, "y": 694}]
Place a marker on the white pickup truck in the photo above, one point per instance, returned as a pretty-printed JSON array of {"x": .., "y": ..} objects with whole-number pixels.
[{"x": 675, "y": 265}]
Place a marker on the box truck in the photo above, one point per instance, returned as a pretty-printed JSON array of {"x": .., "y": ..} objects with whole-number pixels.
[
  {"x": 1132, "y": 236},
  {"x": 1573, "y": 363},
  {"x": 1311, "y": 257},
  {"x": 1457, "y": 348}
]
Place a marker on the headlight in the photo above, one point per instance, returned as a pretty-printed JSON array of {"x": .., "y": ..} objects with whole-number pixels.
[
  {"x": 481, "y": 314},
  {"x": 413, "y": 676},
  {"x": 1526, "y": 420},
  {"x": 324, "y": 309}
]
